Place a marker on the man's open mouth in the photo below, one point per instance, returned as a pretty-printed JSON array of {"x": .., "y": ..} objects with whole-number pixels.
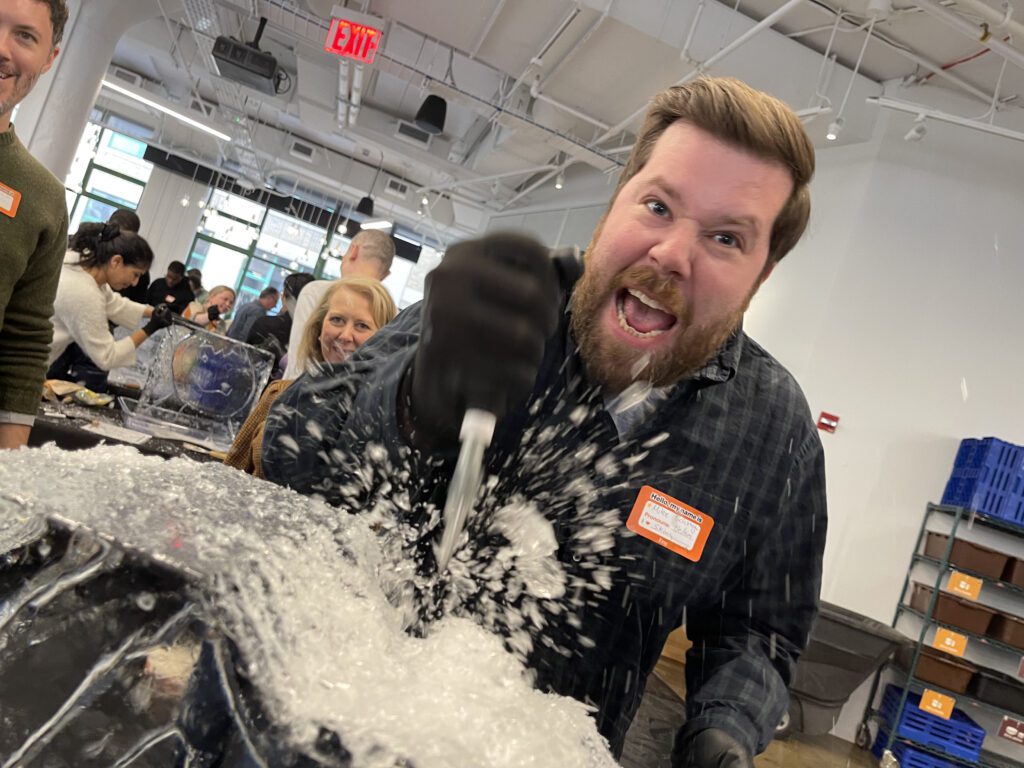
[{"x": 640, "y": 315}]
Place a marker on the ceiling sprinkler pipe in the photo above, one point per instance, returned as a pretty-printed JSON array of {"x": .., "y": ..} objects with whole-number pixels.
[
  {"x": 995, "y": 19},
  {"x": 962, "y": 25},
  {"x": 762, "y": 25}
]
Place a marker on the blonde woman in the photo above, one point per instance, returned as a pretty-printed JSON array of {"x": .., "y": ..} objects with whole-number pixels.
[
  {"x": 209, "y": 313},
  {"x": 352, "y": 311}
]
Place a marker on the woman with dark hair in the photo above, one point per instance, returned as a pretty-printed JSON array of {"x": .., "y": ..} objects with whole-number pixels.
[{"x": 101, "y": 259}]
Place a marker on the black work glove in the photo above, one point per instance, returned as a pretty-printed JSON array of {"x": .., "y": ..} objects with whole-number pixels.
[
  {"x": 490, "y": 307},
  {"x": 212, "y": 313},
  {"x": 161, "y": 318},
  {"x": 711, "y": 748}
]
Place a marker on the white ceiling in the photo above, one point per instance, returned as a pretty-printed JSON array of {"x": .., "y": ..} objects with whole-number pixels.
[{"x": 533, "y": 86}]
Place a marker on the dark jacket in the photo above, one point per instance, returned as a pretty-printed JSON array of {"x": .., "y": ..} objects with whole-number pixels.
[
  {"x": 735, "y": 441},
  {"x": 160, "y": 291}
]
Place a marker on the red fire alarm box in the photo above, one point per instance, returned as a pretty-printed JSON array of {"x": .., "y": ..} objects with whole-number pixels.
[{"x": 828, "y": 422}]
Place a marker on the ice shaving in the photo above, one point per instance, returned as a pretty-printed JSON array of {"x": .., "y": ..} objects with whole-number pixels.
[{"x": 317, "y": 602}]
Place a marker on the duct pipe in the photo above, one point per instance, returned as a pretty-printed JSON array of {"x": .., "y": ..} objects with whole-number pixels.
[{"x": 962, "y": 25}]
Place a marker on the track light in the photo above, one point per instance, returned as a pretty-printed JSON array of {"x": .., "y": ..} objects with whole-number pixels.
[
  {"x": 834, "y": 128},
  {"x": 431, "y": 114},
  {"x": 560, "y": 180},
  {"x": 425, "y": 200},
  {"x": 917, "y": 132},
  {"x": 185, "y": 202}
]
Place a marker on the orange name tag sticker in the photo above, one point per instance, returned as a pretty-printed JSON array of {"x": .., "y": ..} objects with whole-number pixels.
[
  {"x": 669, "y": 522},
  {"x": 937, "y": 704},
  {"x": 950, "y": 642},
  {"x": 10, "y": 199},
  {"x": 964, "y": 585}
]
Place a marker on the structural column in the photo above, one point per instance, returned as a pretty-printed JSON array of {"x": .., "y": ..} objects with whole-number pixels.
[{"x": 51, "y": 119}]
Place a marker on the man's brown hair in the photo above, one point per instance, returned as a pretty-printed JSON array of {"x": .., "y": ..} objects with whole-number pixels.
[
  {"x": 745, "y": 118},
  {"x": 58, "y": 18}
]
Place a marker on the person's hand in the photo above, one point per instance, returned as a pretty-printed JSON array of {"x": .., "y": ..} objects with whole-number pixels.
[
  {"x": 212, "y": 313},
  {"x": 161, "y": 318},
  {"x": 490, "y": 307},
  {"x": 711, "y": 748}
]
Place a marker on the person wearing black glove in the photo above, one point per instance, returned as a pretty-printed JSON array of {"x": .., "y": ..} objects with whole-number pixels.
[
  {"x": 489, "y": 308},
  {"x": 161, "y": 317},
  {"x": 710, "y": 748}
]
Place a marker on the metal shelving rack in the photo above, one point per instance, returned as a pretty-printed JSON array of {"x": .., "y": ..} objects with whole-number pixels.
[{"x": 960, "y": 516}]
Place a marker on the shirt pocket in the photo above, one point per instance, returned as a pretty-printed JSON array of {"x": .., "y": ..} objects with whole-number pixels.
[{"x": 676, "y": 578}]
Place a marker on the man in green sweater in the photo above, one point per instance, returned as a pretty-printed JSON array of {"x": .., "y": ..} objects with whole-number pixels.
[{"x": 33, "y": 219}]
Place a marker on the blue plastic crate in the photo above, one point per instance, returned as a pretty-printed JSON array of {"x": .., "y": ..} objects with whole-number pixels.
[
  {"x": 908, "y": 756},
  {"x": 959, "y": 736},
  {"x": 988, "y": 477}
]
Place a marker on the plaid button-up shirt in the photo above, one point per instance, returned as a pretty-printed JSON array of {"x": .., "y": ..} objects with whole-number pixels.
[{"x": 735, "y": 441}]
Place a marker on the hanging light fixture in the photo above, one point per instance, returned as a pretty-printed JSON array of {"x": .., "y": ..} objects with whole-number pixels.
[
  {"x": 560, "y": 180},
  {"x": 365, "y": 206},
  {"x": 431, "y": 114},
  {"x": 917, "y": 132},
  {"x": 834, "y": 129}
]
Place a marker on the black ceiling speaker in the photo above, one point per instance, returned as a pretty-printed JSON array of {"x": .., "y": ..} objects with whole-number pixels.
[
  {"x": 365, "y": 206},
  {"x": 432, "y": 112}
]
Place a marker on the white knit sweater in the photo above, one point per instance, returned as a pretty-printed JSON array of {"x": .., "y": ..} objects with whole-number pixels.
[{"x": 80, "y": 314}]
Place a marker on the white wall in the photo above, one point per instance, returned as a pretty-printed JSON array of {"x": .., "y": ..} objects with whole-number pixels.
[{"x": 900, "y": 312}]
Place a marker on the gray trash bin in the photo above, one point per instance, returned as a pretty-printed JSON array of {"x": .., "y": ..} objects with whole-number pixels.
[{"x": 845, "y": 648}]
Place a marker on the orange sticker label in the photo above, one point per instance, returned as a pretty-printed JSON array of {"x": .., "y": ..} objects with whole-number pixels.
[
  {"x": 937, "y": 704},
  {"x": 10, "y": 199},
  {"x": 950, "y": 642},
  {"x": 671, "y": 523},
  {"x": 964, "y": 585}
]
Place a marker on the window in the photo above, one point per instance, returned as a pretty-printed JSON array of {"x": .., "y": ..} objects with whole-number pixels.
[
  {"x": 108, "y": 172},
  {"x": 242, "y": 244}
]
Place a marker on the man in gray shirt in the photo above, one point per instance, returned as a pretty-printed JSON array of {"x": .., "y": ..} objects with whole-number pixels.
[{"x": 249, "y": 313}]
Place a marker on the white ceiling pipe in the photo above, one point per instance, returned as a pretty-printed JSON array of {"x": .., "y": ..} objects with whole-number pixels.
[
  {"x": 487, "y": 29},
  {"x": 996, "y": 19},
  {"x": 962, "y": 25},
  {"x": 944, "y": 117},
  {"x": 494, "y": 177},
  {"x": 540, "y": 54},
  {"x": 569, "y": 110},
  {"x": 576, "y": 47},
  {"x": 762, "y": 25},
  {"x": 931, "y": 66}
]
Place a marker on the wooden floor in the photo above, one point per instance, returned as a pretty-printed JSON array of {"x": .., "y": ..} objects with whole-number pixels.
[
  {"x": 814, "y": 752},
  {"x": 799, "y": 751}
]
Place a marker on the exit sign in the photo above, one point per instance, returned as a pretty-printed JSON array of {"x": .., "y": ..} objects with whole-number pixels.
[{"x": 353, "y": 40}]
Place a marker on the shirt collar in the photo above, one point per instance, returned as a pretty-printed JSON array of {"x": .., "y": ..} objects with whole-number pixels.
[{"x": 725, "y": 362}]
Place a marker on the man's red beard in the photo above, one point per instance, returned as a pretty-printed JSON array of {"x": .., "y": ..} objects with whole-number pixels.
[{"x": 614, "y": 365}]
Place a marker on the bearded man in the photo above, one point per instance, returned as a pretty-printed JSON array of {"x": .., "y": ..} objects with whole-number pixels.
[{"x": 674, "y": 457}]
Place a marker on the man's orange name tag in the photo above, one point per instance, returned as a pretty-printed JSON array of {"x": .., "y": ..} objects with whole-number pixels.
[
  {"x": 10, "y": 199},
  {"x": 669, "y": 522}
]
